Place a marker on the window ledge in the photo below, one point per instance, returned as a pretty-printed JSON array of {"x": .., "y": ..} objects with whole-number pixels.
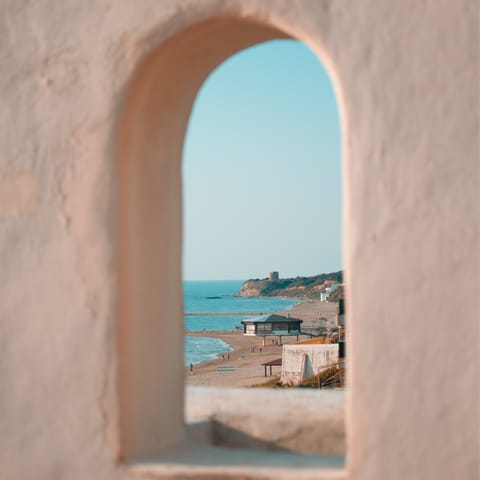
[
  {"x": 257, "y": 433},
  {"x": 294, "y": 420}
]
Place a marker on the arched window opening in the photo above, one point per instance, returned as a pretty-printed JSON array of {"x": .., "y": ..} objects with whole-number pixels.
[
  {"x": 262, "y": 269},
  {"x": 151, "y": 135}
]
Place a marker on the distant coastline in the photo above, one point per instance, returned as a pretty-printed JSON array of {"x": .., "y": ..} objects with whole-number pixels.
[
  {"x": 241, "y": 366},
  {"x": 211, "y": 307},
  {"x": 214, "y": 310},
  {"x": 298, "y": 287}
]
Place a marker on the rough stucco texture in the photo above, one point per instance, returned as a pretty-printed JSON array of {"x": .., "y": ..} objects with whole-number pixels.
[
  {"x": 303, "y": 361},
  {"x": 406, "y": 76}
]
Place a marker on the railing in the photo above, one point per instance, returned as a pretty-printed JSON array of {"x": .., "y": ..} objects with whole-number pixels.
[
  {"x": 336, "y": 378},
  {"x": 332, "y": 376}
]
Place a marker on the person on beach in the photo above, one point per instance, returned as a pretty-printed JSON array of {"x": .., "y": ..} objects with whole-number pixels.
[{"x": 191, "y": 366}]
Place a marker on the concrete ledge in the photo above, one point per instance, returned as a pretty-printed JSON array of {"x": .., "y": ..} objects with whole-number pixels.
[
  {"x": 302, "y": 421},
  {"x": 253, "y": 434},
  {"x": 256, "y": 434}
]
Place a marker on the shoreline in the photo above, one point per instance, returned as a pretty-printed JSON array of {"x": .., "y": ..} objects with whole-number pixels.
[
  {"x": 243, "y": 368},
  {"x": 207, "y": 334}
]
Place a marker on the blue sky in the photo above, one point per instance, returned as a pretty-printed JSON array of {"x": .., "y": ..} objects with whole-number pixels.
[{"x": 262, "y": 169}]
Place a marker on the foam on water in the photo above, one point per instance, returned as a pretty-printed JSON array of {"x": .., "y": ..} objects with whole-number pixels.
[{"x": 198, "y": 349}]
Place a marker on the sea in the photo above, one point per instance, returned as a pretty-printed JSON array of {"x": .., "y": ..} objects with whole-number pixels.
[{"x": 218, "y": 296}]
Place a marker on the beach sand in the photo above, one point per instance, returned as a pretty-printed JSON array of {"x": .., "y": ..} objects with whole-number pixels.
[{"x": 246, "y": 366}]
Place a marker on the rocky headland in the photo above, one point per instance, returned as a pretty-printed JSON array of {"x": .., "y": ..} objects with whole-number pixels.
[{"x": 309, "y": 287}]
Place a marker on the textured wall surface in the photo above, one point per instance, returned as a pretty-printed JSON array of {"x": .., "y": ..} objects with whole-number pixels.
[
  {"x": 303, "y": 361},
  {"x": 95, "y": 100}
]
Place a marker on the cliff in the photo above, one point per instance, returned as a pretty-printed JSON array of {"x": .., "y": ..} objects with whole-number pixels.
[{"x": 290, "y": 287}]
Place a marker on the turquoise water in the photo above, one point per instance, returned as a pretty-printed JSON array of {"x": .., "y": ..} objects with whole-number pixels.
[
  {"x": 196, "y": 301},
  {"x": 198, "y": 349},
  {"x": 212, "y": 323}
]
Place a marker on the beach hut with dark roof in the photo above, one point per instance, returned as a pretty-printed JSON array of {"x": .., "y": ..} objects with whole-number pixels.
[{"x": 272, "y": 325}]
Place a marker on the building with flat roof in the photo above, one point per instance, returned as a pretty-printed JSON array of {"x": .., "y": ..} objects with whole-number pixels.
[{"x": 272, "y": 325}]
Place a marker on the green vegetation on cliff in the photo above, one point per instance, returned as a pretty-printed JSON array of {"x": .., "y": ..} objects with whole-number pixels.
[{"x": 290, "y": 287}]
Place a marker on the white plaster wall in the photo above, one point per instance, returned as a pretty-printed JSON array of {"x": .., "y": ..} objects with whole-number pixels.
[
  {"x": 304, "y": 361},
  {"x": 407, "y": 78}
]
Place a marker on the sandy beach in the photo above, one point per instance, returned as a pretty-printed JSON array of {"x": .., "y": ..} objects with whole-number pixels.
[{"x": 242, "y": 367}]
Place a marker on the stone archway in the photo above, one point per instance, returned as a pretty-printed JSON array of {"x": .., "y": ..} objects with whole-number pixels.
[{"x": 157, "y": 107}]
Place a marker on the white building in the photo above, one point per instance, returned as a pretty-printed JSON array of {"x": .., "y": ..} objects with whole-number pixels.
[{"x": 303, "y": 361}]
